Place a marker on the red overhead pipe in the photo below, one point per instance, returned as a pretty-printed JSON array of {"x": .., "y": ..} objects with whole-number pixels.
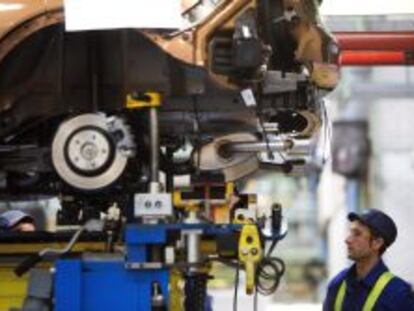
[
  {"x": 377, "y": 41},
  {"x": 376, "y": 48},
  {"x": 374, "y": 58}
]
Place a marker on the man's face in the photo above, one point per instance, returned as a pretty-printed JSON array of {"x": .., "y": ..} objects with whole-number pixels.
[
  {"x": 360, "y": 242},
  {"x": 24, "y": 227}
]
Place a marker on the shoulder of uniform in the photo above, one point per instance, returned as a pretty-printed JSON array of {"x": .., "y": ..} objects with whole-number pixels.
[
  {"x": 398, "y": 287},
  {"x": 337, "y": 280},
  {"x": 397, "y": 281}
]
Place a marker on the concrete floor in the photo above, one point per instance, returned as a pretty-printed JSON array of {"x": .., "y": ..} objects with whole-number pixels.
[{"x": 223, "y": 300}]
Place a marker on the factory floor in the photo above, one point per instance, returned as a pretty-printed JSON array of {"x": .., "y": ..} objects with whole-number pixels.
[{"x": 223, "y": 300}]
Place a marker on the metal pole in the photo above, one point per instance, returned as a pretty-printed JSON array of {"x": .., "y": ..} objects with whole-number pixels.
[
  {"x": 291, "y": 146},
  {"x": 193, "y": 241},
  {"x": 155, "y": 146},
  {"x": 257, "y": 146},
  {"x": 300, "y": 147}
]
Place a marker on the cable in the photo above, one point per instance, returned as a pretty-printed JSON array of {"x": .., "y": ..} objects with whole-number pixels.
[
  {"x": 255, "y": 299},
  {"x": 268, "y": 274},
  {"x": 266, "y": 138},
  {"x": 271, "y": 248},
  {"x": 236, "y": 286}
]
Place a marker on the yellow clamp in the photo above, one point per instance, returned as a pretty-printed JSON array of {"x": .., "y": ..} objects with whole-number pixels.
[
  {"x": 188, "y": 205},
  {"x": 143, "y": 100},
  {"x": 194, "y": 204},
  {"x": 250, "y": 253}
]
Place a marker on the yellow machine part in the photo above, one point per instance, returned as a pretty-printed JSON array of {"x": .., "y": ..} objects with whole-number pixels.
[
  {"x": 12, "y": 288},
  {"x": 176, "y": 291},
  {"x": 146, "y": 100},
  {"x": 219, "y": 212},
  {"x": 250, "y": 253},
  {"x": 27, "y": 249}
]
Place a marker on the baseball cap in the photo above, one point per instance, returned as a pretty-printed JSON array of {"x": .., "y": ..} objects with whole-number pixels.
[
  {"x": 380, "y": 222},
  {"x": 11, "y": 218}
]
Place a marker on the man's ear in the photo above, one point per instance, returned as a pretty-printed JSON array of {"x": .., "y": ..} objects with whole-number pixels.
[{"x": 377, "y": 243}]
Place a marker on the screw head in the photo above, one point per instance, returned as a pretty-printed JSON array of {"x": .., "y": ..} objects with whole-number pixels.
[
  {"x": 158, "y": 204},
  {"x": 148, "y": 204}
]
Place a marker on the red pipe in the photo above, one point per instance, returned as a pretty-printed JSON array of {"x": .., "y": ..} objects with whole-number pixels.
[
  {"x": 376, "y": 48},
  {"x": 372, "y": 58},
  {"x": 378, "y": 41}
]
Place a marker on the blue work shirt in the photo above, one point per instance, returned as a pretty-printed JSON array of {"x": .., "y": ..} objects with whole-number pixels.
[{"x": 397, "y": 295}]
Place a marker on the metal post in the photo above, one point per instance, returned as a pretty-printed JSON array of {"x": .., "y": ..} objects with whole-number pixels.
[
  {"x": 155, "y": 146},
  {"x": 193, "y": 241}
]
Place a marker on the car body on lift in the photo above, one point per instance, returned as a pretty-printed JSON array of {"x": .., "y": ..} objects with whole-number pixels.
[{"x": 245, "y": 80}]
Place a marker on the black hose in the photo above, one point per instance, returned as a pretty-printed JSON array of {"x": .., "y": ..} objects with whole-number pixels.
[{"x": 268, "y": 275}]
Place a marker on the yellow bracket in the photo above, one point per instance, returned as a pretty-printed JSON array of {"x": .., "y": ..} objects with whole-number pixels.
[
  {"x": 188, "y": 205},
  {"x": 176, "y": 291},
  {"x": 194, "y": 204},
  {"x": 250, "y": 253},
  {"x": 143, "y": 100}
]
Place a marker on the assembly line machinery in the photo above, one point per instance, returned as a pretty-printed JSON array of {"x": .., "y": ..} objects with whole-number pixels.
[
  {"x": 155, "y": 127},
  {"x": 169, "y": 242}
]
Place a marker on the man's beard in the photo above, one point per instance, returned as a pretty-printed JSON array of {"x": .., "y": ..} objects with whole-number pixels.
[{"x": 355, "y": 256}]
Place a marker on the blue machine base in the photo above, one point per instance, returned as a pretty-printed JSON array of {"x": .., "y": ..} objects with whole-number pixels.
[{"x": 105, "y": 285}]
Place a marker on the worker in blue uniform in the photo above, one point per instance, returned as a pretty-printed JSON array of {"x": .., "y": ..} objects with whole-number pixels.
[{"x": 368, "y": 285}]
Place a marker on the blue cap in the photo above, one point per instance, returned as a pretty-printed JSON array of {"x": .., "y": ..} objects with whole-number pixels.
[
  {"x": 11, "y": 218},
  {"x": 380, "y": 222}
]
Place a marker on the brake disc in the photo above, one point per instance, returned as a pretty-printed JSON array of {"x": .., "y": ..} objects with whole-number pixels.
[{"x": 89, "y": 151}]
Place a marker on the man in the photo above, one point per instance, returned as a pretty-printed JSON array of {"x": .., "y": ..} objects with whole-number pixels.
[
  {"x": 16, "y": 220},
  {"x": 368, "y": 285}
]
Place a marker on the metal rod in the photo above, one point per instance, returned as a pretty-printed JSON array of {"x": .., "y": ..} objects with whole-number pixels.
[
  {"x": 300, "y": 147},
  {"x": 193, "y": 240},
  {"x": 154, "y": 138},
  {"x": 193, "y": 246},
  {"x": 234, "y": 147}
]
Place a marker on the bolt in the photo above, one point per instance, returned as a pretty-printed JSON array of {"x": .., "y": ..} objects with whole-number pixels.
[
  {"x": 147, "y": 204},
  {"x": 245, "y": 251},
  {"x": 254, "y": 251},
  {"x": 89, "y": 151},
  {"x": 158, "y": 204}
]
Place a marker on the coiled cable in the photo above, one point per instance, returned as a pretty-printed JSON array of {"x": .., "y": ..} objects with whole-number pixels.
[{"x": 268, "y": 274}]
